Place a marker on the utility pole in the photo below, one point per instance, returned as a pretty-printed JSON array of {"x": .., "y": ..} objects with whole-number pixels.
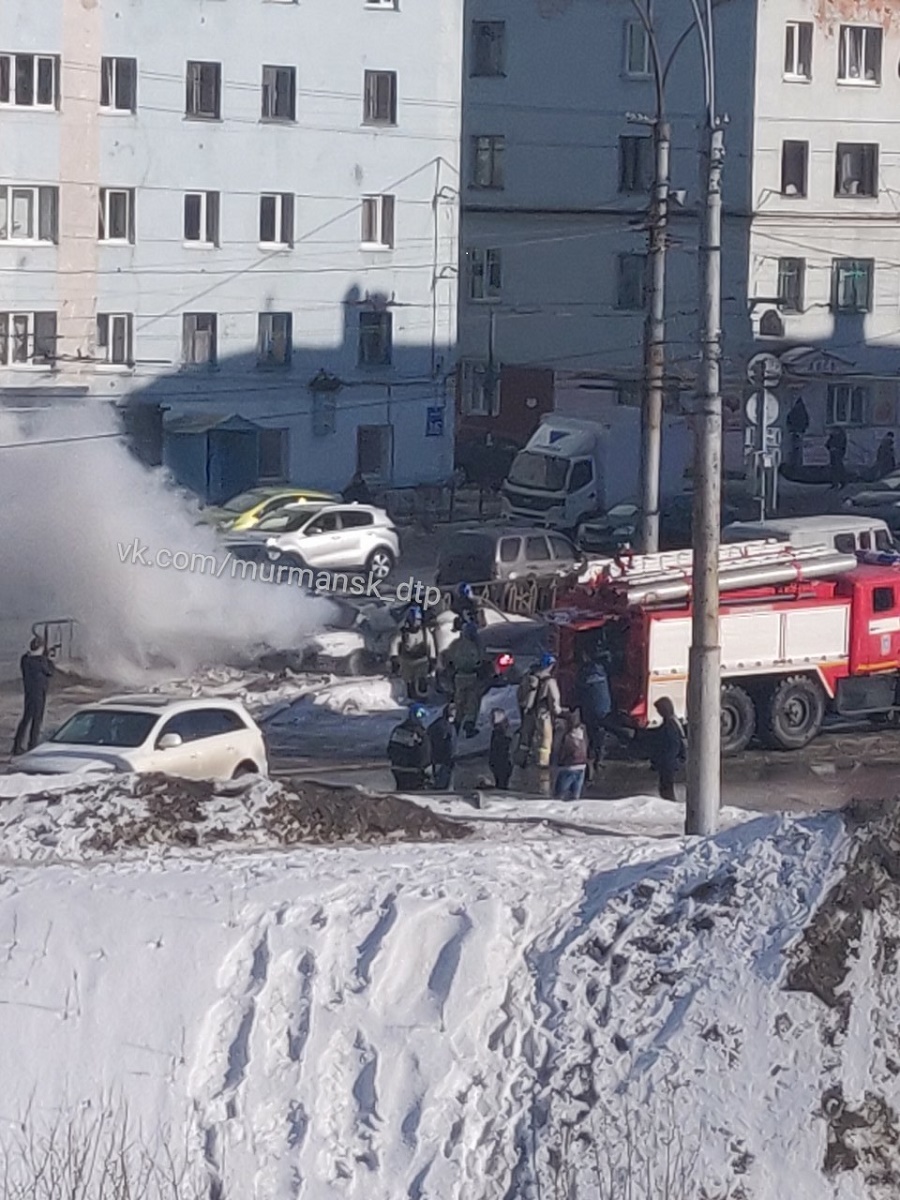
[
  {"x": 704, "y": 769},
  {"x": 655, "y": 342}
]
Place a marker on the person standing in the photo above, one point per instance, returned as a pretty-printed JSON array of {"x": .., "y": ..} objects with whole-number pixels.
[
  {"x": 467, "y": 607},
  {"x": 409, "y": 752},
  {"x": 465, "y": 662},
  {"x": 413, "y": 654},
  {"x": 357, "y": 491},
  {"x": 797, "y": 423},
  {"x": 442, "y": 738},
  {"x": 500, "y": 752},
  {"x": 539, "y": 708},
  {"x": 836, "y": 445},
  {"x": 594, "y": 699},
  {"x": 885, "y": 457},
  {"x": 37, "y": 670},
  {"x": 668, "y": 748},
  {"x": 572, "y": 760}
]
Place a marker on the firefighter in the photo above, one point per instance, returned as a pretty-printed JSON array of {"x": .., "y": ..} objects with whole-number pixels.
[
  {"x": 468, "y": 607},
  {"x": 465, "y": 662},
  {"x": 667, "y": 748},
  {"x": 37, "y": 670},
  {"x": 592, "y": 694},
  {"x": 413, "y": 654},
  {"x": 539, "y": 709},
  {"x": 409, "y": 751},
  {"x": 500, "y": 753},
  {"x": 442, "y": 735}
]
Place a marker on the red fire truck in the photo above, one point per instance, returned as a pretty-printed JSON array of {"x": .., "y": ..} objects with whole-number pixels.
[{"x": 803, "y": 633}]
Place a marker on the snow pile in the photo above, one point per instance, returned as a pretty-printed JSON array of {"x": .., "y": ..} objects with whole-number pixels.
[
  {"x": 137, "y": 813},
  {"x": 73, "y": 508}
]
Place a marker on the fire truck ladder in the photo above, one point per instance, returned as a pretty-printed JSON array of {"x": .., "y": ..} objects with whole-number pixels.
[{"x": 657, "y": 578}]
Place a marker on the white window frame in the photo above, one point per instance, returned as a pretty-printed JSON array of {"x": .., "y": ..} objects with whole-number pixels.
[
  {"x": 210, "y": 215},
  {"x": 12, "y": 325},
  {"x": 836, "y": 268},
  {"x": 791, "y": 267},
  {"x": 795, "y": 32},
  {"x": 284, "y": 220},
  {"x": 371, "y": 80},
  {"x": 485, "y": 274},
  {"x": 110, "y": 328},
  {"x": 382, "y": 5},
  {"x": 271, "y": 73},
  {"x": 868, "y": 161},
  {"x": 265, "y": 339},
  {"x": 862, "y": 34},
  {"x": 190, "y": 359},
  {"x": 379, "y": 216},
  {"x": 44, "y": 213},
  {"x": 490, "y": 147},
  {"x": 105, "y": 198},
  {"x": 802, "y": 192},
  {"x": 194, "y": 89},
  {"x": 633, "y": 28},
  {"x": 110, "y": 67},
  {"x": 847, "y": 404},
  {"x": 473, "y": 401},
  {"x": 9, "y": 72}
]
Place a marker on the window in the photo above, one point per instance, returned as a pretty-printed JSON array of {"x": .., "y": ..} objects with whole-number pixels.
[
  {"x": 279, "y": 93},
  {"x": 480, "y": 389},
  {"x": 856, "y": 169},
  {"x": 198, "y": 338},
  {"x": 846, "y": 404},
  {"x": 116, "y": 215},
  {"x": 882, "y": 599},
  {"x": 380, "y": 98},
  {"x": 388, "y": 5},
  {"x": 114, "y": 338},
  {"x": 204, "y": 90},
  {"x": 798, "y": 37},
  {"x": 375, "y": 339},
  {"x": 794, "y": 164},
  {"x": 327, "y": 523},
  {"x": 276, "y": 219},
  {"x": 201, "y": 218},
  {"x": 582, "y": 474},
  {"x": 274, "y": 341},
  {"x": 487, "y": 160},
  {"x": 273, "y": 455},
  {"x": 29, "y": 214},
  {"x": 27, "y": 339},
  {"x": 536, "y": 549},
  {"x": 118, "y": 84},
  {"x": 373, "y": 450},
  {"x": 356, "y": 520},
  {"x": 29, "y": 80},
  {"x": 636, "y": 167},
  {"x": 637, "y": 50},
  {"x": 485, "y": 274},
  {"x": 509, "y": 549},
  {"x": 631, "y": 281},
  {"x": 859, "y": 54},
  {"x": 488, "y": 48},
  {"x": 851, "y": 285},
  {"x": 791, "y": 281},
  {"x": 378, "y": 221}
]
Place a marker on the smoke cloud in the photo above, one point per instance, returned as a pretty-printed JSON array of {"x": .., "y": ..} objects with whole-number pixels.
[{"x": 67, "y": 505}]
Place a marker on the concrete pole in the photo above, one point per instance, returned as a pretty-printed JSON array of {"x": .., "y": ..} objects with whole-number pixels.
[
  {"x": 655, "y": 343},
  {"x": 704, "y": 768}
]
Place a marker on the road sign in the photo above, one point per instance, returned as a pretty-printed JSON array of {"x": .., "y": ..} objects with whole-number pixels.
[
  {"x": 764, "y": 370},
  {"x": 768, "y": 410}
]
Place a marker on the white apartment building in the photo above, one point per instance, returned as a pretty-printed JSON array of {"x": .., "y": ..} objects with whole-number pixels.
[
  {"x": 556, "y": 178},
  {"x": 211, "y": 204}
]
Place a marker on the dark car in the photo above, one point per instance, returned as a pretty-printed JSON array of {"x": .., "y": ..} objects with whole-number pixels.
[
  {"x": 505, "y": 553},
  {"x": 878, "y": 499},
  {"x": 603, "y": 535}
]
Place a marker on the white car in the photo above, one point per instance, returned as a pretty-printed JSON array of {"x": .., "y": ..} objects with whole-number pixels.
[
  {"x": 329, "y": 537},
  {"x": 197, "y": 739}
]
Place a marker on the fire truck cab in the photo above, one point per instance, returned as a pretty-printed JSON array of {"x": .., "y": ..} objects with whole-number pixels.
[{"x": 802, "y": 632}]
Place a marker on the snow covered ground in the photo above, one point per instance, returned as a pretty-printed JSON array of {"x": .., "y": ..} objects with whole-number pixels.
[{"x": 462, "y": 1018}]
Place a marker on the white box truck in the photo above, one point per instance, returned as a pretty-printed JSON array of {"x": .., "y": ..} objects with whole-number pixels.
[{"x": 572, "y": 468}]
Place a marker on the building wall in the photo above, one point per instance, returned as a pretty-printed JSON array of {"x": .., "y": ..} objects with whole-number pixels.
[{"x": 327, "y": 159}]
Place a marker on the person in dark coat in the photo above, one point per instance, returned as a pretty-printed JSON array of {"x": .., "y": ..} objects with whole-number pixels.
[
  {"x": 409, "y": 751},
  {"x": 797, "y": 422},
  {"x": 572, "y": 760},
  {"x": 357, "y": 491},
  {"x": 442, "y": 737},
  {"x": 836, "y": 445},
  {"x": 668, "y": 750},
  {"x": 37, "y": 670},
  {"x": 594, "y": 699},
  {"x": 467, "y": 607},
  {"x": 885, "y": 457},
  {"x": 500, "y": 752}
]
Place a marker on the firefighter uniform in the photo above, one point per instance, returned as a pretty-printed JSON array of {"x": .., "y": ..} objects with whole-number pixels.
[
  {"x": 413, "y": 650},
  {"x": 466, "y": 663},
  {"x": 539, "y": 708}
]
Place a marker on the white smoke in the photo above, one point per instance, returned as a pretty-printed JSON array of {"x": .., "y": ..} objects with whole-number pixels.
[{"x": 67, "y": 505}]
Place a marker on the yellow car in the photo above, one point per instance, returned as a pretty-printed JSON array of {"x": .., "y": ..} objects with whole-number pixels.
[{"x": 248, "y": 509}]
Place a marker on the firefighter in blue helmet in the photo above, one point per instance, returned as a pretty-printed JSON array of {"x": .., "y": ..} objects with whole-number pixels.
[
  {"x": 465, "y": 663},
  {"x": 413, "y": 654},
  {"x": 409, "y": 751},
  {"x": 468, "y": 607},
  {"x": 539, "y": 709}
]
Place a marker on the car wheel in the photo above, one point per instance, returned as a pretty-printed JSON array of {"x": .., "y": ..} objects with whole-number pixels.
[
  {"x": 293, "y": 560},
  {"x": 380, "y": 563},
  {"x": 243, "y": 769}
]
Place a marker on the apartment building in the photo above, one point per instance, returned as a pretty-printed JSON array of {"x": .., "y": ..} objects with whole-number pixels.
[
  {"x": 244, "y": 211},
  {"x": 557, "y": 167}
]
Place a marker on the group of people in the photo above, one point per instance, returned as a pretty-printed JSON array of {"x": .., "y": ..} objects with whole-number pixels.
[
  {"x": 797, "y": 423},
  {"x": 425, "y": 755}
]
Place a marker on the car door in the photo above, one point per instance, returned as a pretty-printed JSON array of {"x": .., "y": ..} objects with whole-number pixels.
[
  {"x": 538, "y": 560},
  {"x": 181, "y": 760},
  {"x": 565, "y": 556},
  {"x": 220, "y": 746},
  {"x": 320, "y": 545},
  {"x": 349, "y": 551}
]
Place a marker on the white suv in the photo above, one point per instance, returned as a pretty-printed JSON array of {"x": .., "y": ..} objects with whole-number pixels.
[
  {"x": 199, "y": 739},
  {"x": 332, "y": 537}
]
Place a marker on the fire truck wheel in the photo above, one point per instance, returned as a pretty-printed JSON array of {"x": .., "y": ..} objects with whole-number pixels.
[
  {"x": 793, "y": 713},
  {"x": 738, "y": 719}
]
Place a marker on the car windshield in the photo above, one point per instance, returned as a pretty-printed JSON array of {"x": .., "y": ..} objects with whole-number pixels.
[
  {"x": 106, "y": 727},
  {"x": 239, "y": 504},
  {"x": 530, "y": 469},
  {"x": 286, "y": 520}
]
